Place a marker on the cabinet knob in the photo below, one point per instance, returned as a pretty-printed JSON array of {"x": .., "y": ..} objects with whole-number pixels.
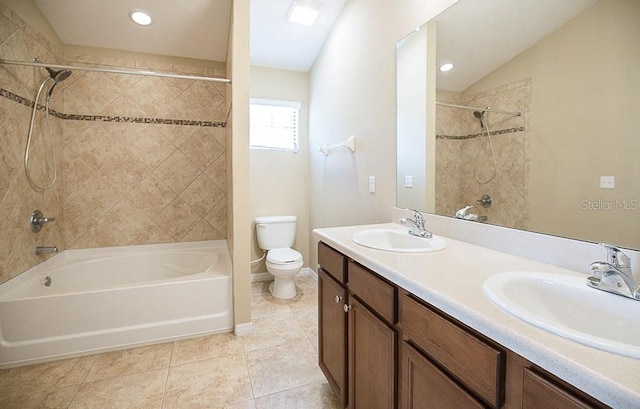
[
  {"x": 338, "y": 299},
  {"x": 346, "y": 308}
]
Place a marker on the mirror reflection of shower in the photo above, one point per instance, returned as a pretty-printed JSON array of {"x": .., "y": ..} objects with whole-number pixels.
[
  {"x": 484, "y": 124},
  {"x": 54, "y": 78}
]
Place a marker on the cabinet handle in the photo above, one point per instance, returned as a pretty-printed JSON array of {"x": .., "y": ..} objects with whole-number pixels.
[
  {"x": 346, "y": 308},
  {"x": 338, "y": 299}
]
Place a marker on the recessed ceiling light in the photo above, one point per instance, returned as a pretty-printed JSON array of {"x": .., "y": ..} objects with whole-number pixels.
[
  {"x": 141, "y": 17},
  {"x": 303, "y": 12},
  {"x": 446, "y": 67}
]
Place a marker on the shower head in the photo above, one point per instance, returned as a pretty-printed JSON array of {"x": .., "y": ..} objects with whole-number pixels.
[
  {"x": 56, "y": 76},
  {"x": 480, "y": 116}
]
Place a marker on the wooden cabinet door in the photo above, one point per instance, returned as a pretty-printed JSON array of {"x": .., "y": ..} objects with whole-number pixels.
[
  {"x": 538, "y": 392},
  {"x": 424, "y": 386},
  {"x": 332, "y": 333},
  {"x": 372, "y": 360}
]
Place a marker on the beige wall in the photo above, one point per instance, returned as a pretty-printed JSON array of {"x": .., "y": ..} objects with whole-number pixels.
[
  {"x": 240, "y": 221},
  {"x": 353, "y": 93},
  {"x": 583, "y": 121},
  {"x": 280, "y": 180}
]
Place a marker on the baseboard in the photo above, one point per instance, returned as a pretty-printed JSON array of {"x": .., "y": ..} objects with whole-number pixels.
[
  {"x": 305, "y": 272},
  {"x": 241, "y": 330}
]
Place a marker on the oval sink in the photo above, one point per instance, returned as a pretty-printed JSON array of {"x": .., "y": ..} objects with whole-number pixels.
[
  {"x": 398, "y": 241},
  {"x": 565, "y": 306}
]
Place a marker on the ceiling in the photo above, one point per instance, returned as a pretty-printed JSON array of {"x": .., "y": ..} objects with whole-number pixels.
[
  {"x": 466, "y": 34},
  {"x": 194, "y": 28}
]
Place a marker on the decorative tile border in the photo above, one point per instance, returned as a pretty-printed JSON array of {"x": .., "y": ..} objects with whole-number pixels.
[
  {"x": 107, "y": 118},
  {"x": 481, "y": 134}
]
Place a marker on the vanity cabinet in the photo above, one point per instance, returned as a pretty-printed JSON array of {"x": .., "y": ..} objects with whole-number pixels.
[
  {"x": 332, "y": 320},
  {"x": 357, "y": 338},
  {"x": 381, "y": 346}
]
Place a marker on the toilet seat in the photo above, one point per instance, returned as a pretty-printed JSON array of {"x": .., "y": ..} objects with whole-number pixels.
[{"x": 283, "y": 256}]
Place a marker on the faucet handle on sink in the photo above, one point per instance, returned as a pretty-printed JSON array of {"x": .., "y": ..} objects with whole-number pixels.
[{"x": 617, "y": 257}]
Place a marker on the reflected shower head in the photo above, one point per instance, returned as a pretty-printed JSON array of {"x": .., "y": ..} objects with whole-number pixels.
[
  {"x": 56, "y": 76},
  {"x": 480, "y": 116}
]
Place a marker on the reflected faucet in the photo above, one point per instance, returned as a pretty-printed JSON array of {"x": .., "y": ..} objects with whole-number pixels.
[
  {"x": 46, "y": 250},
  {"x": 462, "y": 214},
  {"x": 614, "y": 275},
  {"x": 417, "y": 225}
]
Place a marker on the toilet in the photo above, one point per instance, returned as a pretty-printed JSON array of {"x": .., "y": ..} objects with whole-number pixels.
[{"x": 276, "y": 234}]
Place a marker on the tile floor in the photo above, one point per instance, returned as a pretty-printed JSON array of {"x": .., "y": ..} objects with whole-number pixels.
[{"x": 275, "y": 368}]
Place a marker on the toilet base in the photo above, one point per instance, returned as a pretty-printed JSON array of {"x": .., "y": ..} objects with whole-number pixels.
[{"x": 283, "y": 288}]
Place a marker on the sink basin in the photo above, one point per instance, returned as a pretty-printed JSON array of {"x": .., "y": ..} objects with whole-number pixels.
[
  {"x": 397, "y": 241},
  {"x": 565, "y": 306}
]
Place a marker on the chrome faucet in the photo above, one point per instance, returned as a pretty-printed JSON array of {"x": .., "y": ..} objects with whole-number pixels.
[
  {"x": 462, "y": 214},
  {"x": 417, "y": 225},
  {"x": 46, "y": 250},
  {"x": 614, "y": 275}
]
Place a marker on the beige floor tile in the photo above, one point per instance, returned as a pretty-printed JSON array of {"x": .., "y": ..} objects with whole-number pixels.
[
  {"x": 314, "y": 396},
  {"x": 283, "y": 367},
  {"x": 139, "y": 391},
  {"x": 31, "y": 398},
  {"x": 250, "y": 404},
  {"x": 198, "y": 349},
  {"x": 208, "y": 384},
  {"x": 308, "y": 320},
  {"x": 48, "y": 375},
  {"x": 130, "y": 361},
  {"x": 273, "y": 330},
  {"x": 264, "y": 304}
]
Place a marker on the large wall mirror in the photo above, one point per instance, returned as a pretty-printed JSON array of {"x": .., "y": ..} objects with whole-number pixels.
[{"x": 540, "y": 113}]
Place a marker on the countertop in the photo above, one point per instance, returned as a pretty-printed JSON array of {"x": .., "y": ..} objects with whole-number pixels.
[{"x": 452, "y": 280}]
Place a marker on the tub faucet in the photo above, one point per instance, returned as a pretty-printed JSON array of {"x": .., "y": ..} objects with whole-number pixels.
[
  {"x": 46, "y": 250},
  {"x": 614, "y": 275},
  {"x": 417, "y": 225}
]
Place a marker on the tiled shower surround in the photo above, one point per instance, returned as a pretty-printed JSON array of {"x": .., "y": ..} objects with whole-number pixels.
[
  {"x": 140, "y": 159},
  {"x": 463, "y": 150}
]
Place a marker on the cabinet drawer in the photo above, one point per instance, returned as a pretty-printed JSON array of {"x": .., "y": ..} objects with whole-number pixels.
[
  {"x": 373, "y": 291},
  {"x": 538, "y": 392},
  {"x": 475, "y": 363},
  {"x": 332, "y": 262}
]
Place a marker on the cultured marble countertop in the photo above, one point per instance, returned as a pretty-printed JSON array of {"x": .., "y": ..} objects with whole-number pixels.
[{"x": 452, "y": 280}]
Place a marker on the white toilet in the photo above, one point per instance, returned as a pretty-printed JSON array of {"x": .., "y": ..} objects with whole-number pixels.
[{"x": 276, "y": 234}]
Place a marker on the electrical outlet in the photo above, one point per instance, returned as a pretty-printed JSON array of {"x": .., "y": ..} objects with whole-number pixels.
[
  {"x": 408, "y": 181},
  {"x": 607, "y": 182},
  {"x": 372, "y": 184}
]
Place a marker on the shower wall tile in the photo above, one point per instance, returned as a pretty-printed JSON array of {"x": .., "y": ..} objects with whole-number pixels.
[
  {"x": 119, "y": 182},
  {"x": 17, "y": 199}
]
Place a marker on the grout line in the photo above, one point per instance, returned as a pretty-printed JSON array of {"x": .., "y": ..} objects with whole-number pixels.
[{"x": 166, "y": 381}]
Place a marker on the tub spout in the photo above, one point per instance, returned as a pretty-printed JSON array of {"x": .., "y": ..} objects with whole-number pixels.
[{"x": 46, "y": 250}]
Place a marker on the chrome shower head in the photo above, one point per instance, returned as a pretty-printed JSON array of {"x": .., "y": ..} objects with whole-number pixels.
[{"x": 56, "y": 76}]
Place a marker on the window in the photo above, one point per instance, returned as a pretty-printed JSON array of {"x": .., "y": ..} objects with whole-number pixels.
[{"x": 273, "y": 124}]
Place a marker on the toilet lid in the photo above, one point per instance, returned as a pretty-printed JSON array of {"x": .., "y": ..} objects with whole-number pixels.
[{"x": 283, "y": 256}]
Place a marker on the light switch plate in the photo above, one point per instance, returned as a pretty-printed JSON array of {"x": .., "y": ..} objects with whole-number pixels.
[{"x": 607, "y": 182}]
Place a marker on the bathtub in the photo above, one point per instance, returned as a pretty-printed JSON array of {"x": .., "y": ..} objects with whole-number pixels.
[{"x": 87, "y": 301}]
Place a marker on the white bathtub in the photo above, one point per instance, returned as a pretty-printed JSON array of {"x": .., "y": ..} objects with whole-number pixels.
[{"x": 113, "y": 298}]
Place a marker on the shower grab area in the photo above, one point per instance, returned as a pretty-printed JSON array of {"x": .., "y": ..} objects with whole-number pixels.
[{"x": 119, "y": 160}]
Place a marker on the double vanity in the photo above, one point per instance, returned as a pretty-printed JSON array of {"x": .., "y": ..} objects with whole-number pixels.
[{"x": 413, "y": 322}]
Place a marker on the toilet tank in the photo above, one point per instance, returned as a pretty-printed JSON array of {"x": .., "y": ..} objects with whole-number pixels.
[{"x": 276, "y": 231}]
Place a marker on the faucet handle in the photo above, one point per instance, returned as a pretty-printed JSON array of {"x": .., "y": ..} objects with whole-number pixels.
[
  {"x": 418, "y": 217},
  {"x": 616, "y": 257}
]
